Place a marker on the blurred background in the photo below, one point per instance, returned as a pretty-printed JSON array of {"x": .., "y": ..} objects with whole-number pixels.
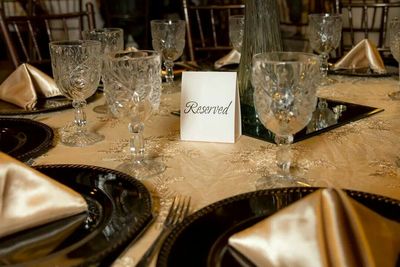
[{"x": 134, "y": 17}]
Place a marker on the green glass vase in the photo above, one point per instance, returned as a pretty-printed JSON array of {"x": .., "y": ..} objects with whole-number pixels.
[{"x": 261, "y": 34}]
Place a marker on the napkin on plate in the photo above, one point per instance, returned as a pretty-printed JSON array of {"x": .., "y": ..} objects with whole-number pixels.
[
  {"x": 28, "y": 198},
  {"x": 25, "y": 85},
  {"x": 233, "y": 57},
  {"x": 363, "y": 56},
  {"x": 326, "y": 228}
]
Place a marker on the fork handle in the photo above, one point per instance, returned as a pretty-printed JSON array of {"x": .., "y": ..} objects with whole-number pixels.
[{"x": 148, "y": 256}]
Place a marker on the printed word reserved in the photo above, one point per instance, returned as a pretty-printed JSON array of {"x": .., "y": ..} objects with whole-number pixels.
[{"x": 195, "y": 108}]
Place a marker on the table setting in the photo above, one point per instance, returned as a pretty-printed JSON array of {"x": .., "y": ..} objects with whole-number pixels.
[{"x": 310, "y": 177}]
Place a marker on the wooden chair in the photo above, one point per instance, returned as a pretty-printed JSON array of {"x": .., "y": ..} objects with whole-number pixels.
[
  {"x": 27, "y": 37},
  {"x": 294, "y": 21},
  {"x": 131, "y": 15},
  {"x": 208, "y": 29},
  {"x": 367, "y": 19}
]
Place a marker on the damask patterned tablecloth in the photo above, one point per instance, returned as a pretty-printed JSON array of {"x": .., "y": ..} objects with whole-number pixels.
[{"x": 363, "y": 155}]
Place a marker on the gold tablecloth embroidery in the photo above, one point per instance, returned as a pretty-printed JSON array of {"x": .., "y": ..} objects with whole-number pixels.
[{"x": 363, "y": 155}]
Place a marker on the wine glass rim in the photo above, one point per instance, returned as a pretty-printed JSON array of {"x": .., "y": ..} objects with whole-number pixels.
[
  {"x": 325, "y": 15},
  {"x": 167, "y": 21},
  {"x": 74, "y": 43},
  {"x": 278, "y": 60},
  {"x": 101, "y": 30},
  {"x": 122, "y": 55}
]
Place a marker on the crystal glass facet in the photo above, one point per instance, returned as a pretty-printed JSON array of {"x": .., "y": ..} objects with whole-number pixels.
[
  {"x": 112, "y": 40},
  {"x": 325, "y": 31},
  {"x": 394, "y": 37},
  {"x": 236, "y": 30},
  {"x": 284, "y": 98},
  {"x": 77, "y": 69},
  {"x": 168, "y": 38},
  {"x": 135, "y": 88}
]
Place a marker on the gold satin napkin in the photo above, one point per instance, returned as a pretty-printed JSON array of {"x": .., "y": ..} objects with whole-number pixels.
[
  {"x": 28, "y": 198},
  {"x": 233, "y": 57},
  {"x": 25, "y": 85},
  {"x": 364, "y": 56},
  {"x": 326, "y": 228}
]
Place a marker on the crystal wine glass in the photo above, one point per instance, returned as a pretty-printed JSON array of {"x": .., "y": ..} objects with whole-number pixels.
[
  {"x": 112, "y": 40},
  {"x": 76, "y": 69},
  {"x": 284, "y": 98},
  {"x": 135, "y": 89},
  {"x": 236, "y": 30},
  {"x": 325, "y": 31},
  {"x": 168, "y": 38},
  {"x": 394, "y": 35}
]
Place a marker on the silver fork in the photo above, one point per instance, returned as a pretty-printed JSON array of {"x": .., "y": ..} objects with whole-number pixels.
[{"x": 177, "y": 212}]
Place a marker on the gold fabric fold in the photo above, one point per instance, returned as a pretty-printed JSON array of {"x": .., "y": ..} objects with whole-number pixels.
[
  {"x": 233, "y": 57},
  {"x": 25, "y": 85},
  {"x": 29, "y": 198},
  {"x": 326, "y": 228},
  {"x": 363, "y": 56}
]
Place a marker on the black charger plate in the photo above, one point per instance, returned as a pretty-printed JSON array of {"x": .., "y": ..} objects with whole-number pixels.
[
  {"x": 201, "y": 239},
  {"x": 390, "y": 71},
  {"x": 119, "y": 208},
  {"x": 23, "y": 138}
]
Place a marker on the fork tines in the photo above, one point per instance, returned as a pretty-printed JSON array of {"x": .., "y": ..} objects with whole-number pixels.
[{"x": 179, "y": 210}]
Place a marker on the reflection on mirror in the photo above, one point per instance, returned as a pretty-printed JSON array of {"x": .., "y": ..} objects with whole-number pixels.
[{"x": 328, "y": 115}]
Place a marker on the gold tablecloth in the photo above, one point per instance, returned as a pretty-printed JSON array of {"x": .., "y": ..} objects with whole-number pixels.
[{"x": 363, "y": 155}]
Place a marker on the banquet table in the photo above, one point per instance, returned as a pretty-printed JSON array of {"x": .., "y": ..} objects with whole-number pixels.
[{"x": 361, "y": 155}]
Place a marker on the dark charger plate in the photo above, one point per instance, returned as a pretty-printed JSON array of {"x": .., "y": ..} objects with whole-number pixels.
[
  {"x": 390, "y": 71},
  {"x": 201, "y": 239},
  {"x": 119, "y": 208},
  {"x": 23, "y": 138}
]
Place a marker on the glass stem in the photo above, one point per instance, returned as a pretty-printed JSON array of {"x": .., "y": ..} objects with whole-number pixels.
[
  {"x": 284, "y": 154},
  {"x": 324, "y": 65},
  {"x": 136, "y": 127},
  {"x": 136, "y": 141},
  {"x": 169, "y": 71},
  {"x": 80, "y": 115}
]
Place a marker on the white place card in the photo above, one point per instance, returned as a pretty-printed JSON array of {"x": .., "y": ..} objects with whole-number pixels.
[{"x": 210, "y": 107}]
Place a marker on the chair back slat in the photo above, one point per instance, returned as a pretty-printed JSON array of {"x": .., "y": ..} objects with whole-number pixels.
[
  {"x": 366, "y": 19},
  {"x": 36, "y": 51},
  {"x": 200, "y": 25},
  {"x": 214, "y": 32},
  {"x": 20, "y": 40},
  {"x": 48, "y": 30},
  {"x": 208, "y": 28},
  {"x": 27, "y": 37}
]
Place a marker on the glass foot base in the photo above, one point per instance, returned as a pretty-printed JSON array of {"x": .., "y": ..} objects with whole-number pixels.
[
  {"x": 69, "y": 137},
  {"x": 395, "y": 95},
  {"x": 170, "y": 88},
  {"x": 101, "y": 109},
  {"x": 140, "y": 170},
  {"x": 276, "y": 181}
]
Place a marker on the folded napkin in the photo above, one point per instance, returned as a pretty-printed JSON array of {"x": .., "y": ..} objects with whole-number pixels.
[
  {"x": 28, "y": 198},
  {"x": 363, "y": 56},
  {"x": 25, "y": 85},
  {"x": 326, "y": 228},
  {"x": 233, "y": 57}
]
